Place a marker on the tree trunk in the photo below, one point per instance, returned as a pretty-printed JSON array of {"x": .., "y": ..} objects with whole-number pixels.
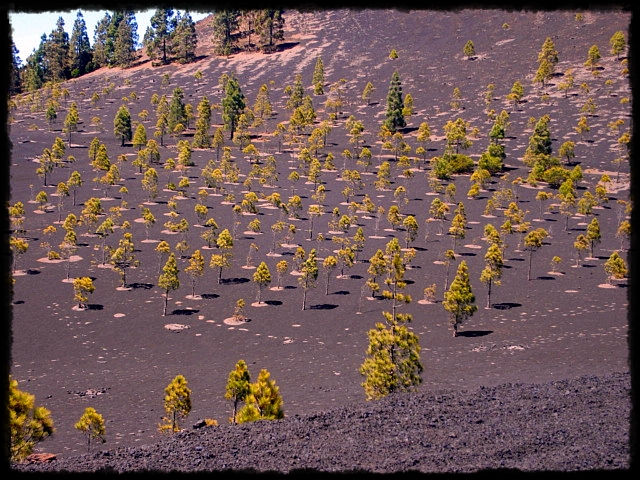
[
  {"x": 304, "y": 298},
  {"x": 489, "y": 295},
  {"x": 529, "y": 270},
  {"x": 166, "y": 300}
]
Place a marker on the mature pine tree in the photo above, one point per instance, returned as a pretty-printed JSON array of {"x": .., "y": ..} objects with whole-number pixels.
[
  {"x": 15, "y": 84},
  {"x": 270, "y": 27},
  {"x": 157, "y": 37},
  {"x": 394, "y": 117},
  {"x": 238, "y": 387},
  {"x": 100, "y": 38},
  {"x": 126, "y": 40},
  {"x": 233, "y": 105},
  {"x": 459, "y": 299},
  {"x": 225, "y": 25},
  {"x": 80, "y": 52},
  {"x": 57, "y": 53},
  {"x": 33, "y": 75},
  {"x": 184, "y": 39}
]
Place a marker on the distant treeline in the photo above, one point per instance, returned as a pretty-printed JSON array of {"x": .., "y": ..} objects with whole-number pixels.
[{"x": 170, "y": 37}]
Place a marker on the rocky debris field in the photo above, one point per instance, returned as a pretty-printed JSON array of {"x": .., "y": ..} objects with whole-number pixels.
[{"x": 570, "y": 425}]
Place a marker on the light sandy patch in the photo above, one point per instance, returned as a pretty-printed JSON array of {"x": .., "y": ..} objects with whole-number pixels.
[
  {"x": 233, "y": 321},
  {"x": 176, "y": 327}
]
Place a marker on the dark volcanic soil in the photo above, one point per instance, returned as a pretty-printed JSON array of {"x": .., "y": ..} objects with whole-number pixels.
[{"x": 551, "y": 331}]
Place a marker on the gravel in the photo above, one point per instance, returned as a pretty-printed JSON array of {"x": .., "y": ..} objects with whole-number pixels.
[{"x": 579, "y": 424}]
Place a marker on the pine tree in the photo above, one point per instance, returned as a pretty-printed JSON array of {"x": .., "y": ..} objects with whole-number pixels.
[
  {"x": 195, "y": 269},
  {"x": 532, "y": 242},
  {"x": 169, "y": 280},
  {"x": 177, "y": 404},
  {"x": 618, "y": 44},
  {"x": 238, "y": 387},
  {"x": 593, "y": 58},
  {"x": 176, "y": 113},
  {"x": 80, "y": 51},
  {"x": 222, "y": 260},
  {"x": 593, "y": 235},
  {"x": 270, "y": 28},
  {"x": 184, "y": 39},
  {"x": 459, "y": 299},
  {"x": 57, "y": 54},
  {"x": 122, "y": 125},
  {"x": 28, "y": 424},
  {"x": 92, "y": 425},
  {"x": 157, "y": 38},
  {"x": 492, "y": 271},
  {"x": 263, "y": 402},
  {"x": 140, "y": 136},
  {"x": 201, "y": 138},
  {"x": 15, "y": 83},
  {"x": 393, "y": 355},
  {"x": 394, "y": 118},
  {"x": 262, "y": 276},
  {"x": 233, "y": 105},
  {"x": 615, "y": 267},
  {"x": 81, "y": 287},
  {"x": 309, "y": 275},
  {"x": 225, "y": 24},
  {"x": 71, "y": 121},
  {"x": 125, "y": 40},
  {"x": 547, "y": 59},
  {"x": 318, "y": 77},
  {"x": 100, "y": 39}
]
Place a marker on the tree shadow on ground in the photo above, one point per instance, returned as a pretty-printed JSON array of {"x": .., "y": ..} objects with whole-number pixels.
[
  {"x": 184, "y": 311},
  {"x": 475, "y": 333},
  {"x": 323, "y": 306},
  {"x": 544, "y": 277},
  {"x": 341, "y": 292},
  {"x": 506, "y": 305},
  {"x": 234, "y": 281},
  {"x": 273, "y": 302},
  {"x": 209, "y": 295},
  {"x": 145, "y": 286},
  {"x": 94, "y": 306}
]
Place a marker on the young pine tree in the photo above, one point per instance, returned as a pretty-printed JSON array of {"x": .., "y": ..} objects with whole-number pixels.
[
  {"x": 177, "y": 404},
  {"x": 263, "y": 402},
  {"x": 459, "y": 300},
  {"x": 238, "y": 387},
  {"x": 92, "y": 425}
]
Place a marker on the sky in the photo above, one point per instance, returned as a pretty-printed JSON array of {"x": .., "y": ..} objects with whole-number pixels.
[{"x": 27, "y": 28}]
